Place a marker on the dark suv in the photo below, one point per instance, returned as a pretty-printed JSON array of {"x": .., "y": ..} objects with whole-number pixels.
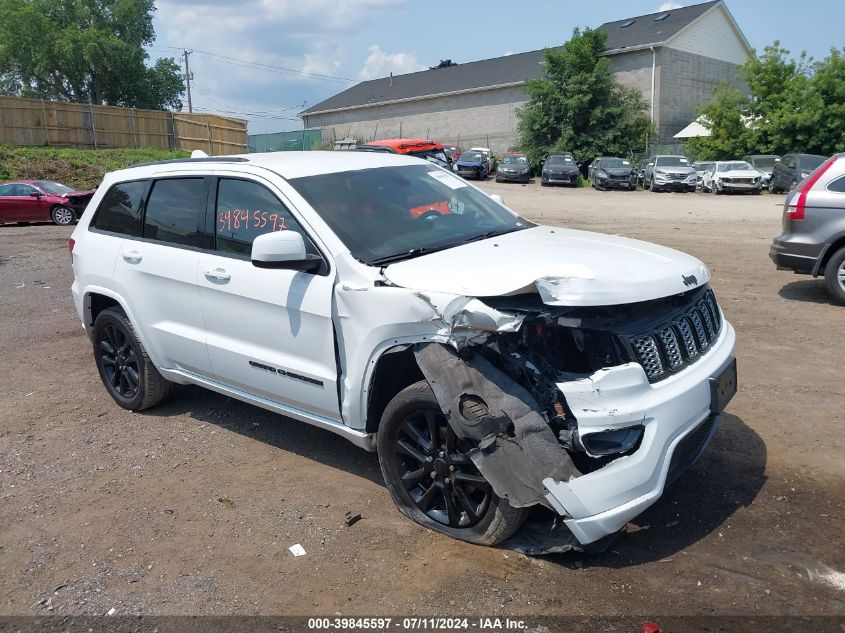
[
  {"x": 813, "y": 238},
  {"x": 792, "y": 169}
]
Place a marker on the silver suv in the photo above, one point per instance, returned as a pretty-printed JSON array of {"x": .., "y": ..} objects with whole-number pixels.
[{"x": 813, "y": 238}]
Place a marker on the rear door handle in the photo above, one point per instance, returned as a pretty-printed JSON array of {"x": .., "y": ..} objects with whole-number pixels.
[
  {"x": 218, "y": 274},
  {"x": 132, "y": 257}
]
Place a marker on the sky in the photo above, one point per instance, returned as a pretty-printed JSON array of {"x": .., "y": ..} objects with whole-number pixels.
[{"x": 263, "y": 60}]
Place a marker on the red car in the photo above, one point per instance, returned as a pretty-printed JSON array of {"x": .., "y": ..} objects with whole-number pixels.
[
  {"x": 452, "y": 151},
  {"x": 41, "y": 201}
]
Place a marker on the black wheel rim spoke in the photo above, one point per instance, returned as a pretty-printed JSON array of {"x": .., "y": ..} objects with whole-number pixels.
[
  {"x": 410, "y": 451},
  {"x": 437, "y": 473},
  {"x": 413, "y": 477},
  {"x": 428, "y": 497},
  {"x": 466, "y": 503},
  {"x": 119, "y": 362}
]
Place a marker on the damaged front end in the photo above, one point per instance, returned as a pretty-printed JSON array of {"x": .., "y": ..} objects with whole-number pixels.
[{"x": 587, "y": 411}]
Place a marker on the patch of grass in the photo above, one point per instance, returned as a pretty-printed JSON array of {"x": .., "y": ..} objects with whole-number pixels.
[
  {"x": 79, "y": 168},
  {"x": 226, "y": 502}
]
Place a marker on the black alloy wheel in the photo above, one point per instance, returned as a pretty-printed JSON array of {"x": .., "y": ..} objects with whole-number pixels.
[
  {"x": 437, "y": 473},
  {"x": 119, "y": 361}
]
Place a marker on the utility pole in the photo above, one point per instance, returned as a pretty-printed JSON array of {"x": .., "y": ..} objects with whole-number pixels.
[{"x": 188, "y": 77}]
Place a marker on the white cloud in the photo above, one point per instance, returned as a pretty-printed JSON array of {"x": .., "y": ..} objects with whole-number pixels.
[
  {"x": 668, "y": 6},
  {"x": 380, "y": 64}
]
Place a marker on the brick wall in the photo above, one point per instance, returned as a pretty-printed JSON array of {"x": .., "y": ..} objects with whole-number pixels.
[{"x": 687, "y": 80}]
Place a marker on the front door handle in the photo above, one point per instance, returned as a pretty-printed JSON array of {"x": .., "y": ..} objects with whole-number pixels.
[
  {"x": 217, "y": 274},
  {"x": 132, "y": 257}
]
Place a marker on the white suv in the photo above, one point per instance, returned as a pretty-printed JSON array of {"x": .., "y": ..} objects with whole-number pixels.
[{"x": 495, "y": 364}]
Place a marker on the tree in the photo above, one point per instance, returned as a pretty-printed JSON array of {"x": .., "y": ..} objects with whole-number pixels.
[
  {"x": 444, "y": 63},
  {"x": 791, "y": 105},
  {"x": 85, "y": 50},
  {"x": 578, "y": 106}
]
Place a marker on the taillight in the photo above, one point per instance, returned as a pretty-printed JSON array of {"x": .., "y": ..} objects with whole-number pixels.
[
  {"x": 70, "y": 244},
  {"x": 798, "y": 202}
]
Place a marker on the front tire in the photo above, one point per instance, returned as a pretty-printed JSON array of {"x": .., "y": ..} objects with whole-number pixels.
[
  {"x": 126, "y": 370},
  {"x": 653, "y": 187},
  {"x": 430, "y": 477},
  {"x": 834, "y": 276},
  {"x": 62, "y": 216}
]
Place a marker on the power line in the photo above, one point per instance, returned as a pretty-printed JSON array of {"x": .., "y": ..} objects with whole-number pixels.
[
  {"x": 245, "y": 63},
  {"x": 231, "y": 107}
]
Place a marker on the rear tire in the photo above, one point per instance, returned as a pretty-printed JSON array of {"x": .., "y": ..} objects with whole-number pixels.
[
  {"x": 438, "y": 503},
  {"x": 125, "y": 368},
  {"x": 834, "y": 276}
]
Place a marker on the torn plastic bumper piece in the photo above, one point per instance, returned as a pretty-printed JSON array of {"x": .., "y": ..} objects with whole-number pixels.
[
  {"x": 677, "y": 408},
  {"x": 517, "y": 449}
]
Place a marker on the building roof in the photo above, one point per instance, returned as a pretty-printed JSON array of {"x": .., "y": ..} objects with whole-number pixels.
[
  {"x": 499, "y": 71},
  {"x": 510, "y": 70},
  {"x": 645, "y": 30}
]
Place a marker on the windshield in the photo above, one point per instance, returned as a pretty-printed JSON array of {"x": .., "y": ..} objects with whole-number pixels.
[
  {"x": 809, "y": 163},
  {"x": 614, "y": 163},
  {"x": 671, "y": 161},
  {"x": 53, "y": 187},
  {"x": 393, "y": 213},
  {"x": 740, "y": 164},
  {"x": 436, "y": 156},
  {"x": 471, "y": 157},
  {"x": 764, "y": 162},
  {"x": 559, "y": 160},
  {"x": 514, "y": 160}
]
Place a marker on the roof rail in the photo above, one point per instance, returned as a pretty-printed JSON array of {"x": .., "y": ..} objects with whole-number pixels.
[{"x": 206, "y": 159}]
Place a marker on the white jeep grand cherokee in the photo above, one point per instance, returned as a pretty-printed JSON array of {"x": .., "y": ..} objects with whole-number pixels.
[{"x": 495, "y": 364}]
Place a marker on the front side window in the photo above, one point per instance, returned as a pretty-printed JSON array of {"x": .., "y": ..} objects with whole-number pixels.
[
  {"x": 392, "y": 213},
  {"x": 176, "y": 210},
  {"x": 120, "y": 209},
  {"x": 246, "y": 210}
]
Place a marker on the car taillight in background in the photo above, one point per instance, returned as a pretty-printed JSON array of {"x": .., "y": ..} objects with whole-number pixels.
[
  {"x": 798, "y": 202},
  {"x": 70, "y": 244}
]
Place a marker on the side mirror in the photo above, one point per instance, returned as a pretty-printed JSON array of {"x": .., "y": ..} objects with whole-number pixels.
[
  {"x": 497, "y": 198},
  {"x": 777, "y": 160},
  {"x": 651, "y": 165},
  {"x": 283, "y": 249},
  {"x": 35, "y": 194}
]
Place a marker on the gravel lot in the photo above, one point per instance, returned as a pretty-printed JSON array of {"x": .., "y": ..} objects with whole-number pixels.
[{"x": 190, "y": 508}]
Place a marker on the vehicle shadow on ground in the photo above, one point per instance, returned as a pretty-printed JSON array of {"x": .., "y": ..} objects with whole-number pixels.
[
  {"x": 806, "y": 290},
  {"x": 727, "y": 477},
  {"x": 271, "y": 428}
]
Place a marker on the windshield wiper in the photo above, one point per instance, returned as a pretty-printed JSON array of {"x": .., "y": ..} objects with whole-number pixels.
[
  {"x": 490, "y": 234},
  {"x": 398, "y": 257}
]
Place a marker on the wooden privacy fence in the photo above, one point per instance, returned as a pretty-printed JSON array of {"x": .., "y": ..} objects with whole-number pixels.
[{"x": 65, "y": 124}]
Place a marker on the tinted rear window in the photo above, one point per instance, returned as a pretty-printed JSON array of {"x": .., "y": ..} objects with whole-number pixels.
[
  {"x": 176, "y": 210},
  {"x": 120, "y": 209}
]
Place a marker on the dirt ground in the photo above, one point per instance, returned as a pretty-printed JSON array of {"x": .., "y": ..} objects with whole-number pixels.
[{"x": 190, "y": 508}]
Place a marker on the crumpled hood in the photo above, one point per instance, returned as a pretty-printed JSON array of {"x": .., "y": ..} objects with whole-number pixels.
[
  {"x": 566, "y": 267},
  {"x": 619, "y": 171}
]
